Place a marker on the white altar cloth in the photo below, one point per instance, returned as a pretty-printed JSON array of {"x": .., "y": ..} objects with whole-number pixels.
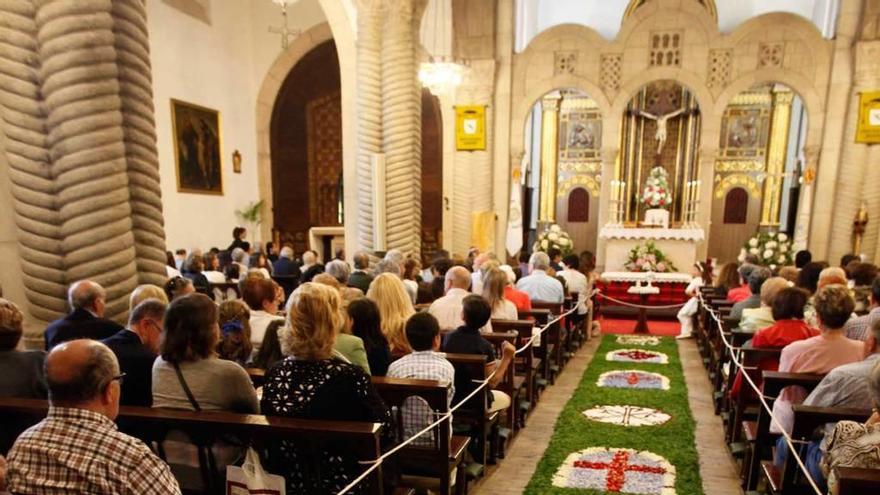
[
  {"x": 659, "y": 278},
  {"x": 679, "y": 245}
]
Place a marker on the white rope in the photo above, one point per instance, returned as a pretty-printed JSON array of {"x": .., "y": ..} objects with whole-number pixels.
[
  {"x": 759, "y": 393},
  {"x": 640, "y": 306},
  {"x": 374, "y": 464}
]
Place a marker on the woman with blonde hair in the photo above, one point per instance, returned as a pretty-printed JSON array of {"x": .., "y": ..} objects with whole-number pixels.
[
  {"x": 310, "y": 384},
  {"x": 494, "y": 282},
  {"x": 146, "y": 291},
  {"x": 395, "y": 308}
]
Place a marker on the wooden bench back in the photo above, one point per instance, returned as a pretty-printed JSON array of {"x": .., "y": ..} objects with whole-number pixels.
[{"x": 358, "y": 439}]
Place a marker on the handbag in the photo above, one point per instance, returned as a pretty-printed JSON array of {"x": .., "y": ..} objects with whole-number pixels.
[{"x": 252, "y": 479}]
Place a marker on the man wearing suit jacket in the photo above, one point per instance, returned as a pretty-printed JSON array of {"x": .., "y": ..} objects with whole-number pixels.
[
  {"x": 360, "y": 278},
  {"x": 86, "y": 319},
  {"x": 136, "y": 348}
]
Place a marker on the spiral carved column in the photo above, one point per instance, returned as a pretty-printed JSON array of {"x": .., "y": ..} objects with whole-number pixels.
[
  {"x": 369, "y": 107},
  {"x": 401, "y": 118},
  {"x": 139, "y": 128},
  {"x": 36, "y": 216},
  {"x": 86, "y": 145}
]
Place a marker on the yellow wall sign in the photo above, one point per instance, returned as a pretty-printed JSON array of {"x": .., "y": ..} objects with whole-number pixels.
[
  {"x": 470, "y": 127},
  {"x": 868, "y": 130}
]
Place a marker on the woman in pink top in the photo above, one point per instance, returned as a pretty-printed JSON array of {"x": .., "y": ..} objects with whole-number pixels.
[{"x": 819, "y": 354}]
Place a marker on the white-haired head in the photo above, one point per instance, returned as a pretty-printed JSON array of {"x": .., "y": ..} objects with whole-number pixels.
[
  {"x": 286, "y": 252},
  {"x": 238, "y": 255},
  {"x": 539, "y": 261}
]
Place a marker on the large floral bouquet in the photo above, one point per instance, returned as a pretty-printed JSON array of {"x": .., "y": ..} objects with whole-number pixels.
[
  {"x": 554, "y": 237},
  {"x": 647, "y": 258},
  {"x": 772, "y": 249},
  {"x": 656, "y": 193}
]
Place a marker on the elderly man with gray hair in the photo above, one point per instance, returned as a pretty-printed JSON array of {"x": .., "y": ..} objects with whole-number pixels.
[
  {"x": 447, "y": 309},
  {"x": 538, "y": 284},
  {"x": 77, "y": 448},
  {"x": 86, "y": 320}
]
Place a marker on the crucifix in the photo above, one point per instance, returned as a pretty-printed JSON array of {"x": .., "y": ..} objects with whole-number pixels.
[{"x": 660, "y": 135}]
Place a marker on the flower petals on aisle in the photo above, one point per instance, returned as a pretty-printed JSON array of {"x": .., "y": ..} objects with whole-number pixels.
[
  {"x": 637, "y": 356},
  {"x": 627, "y": 415}
]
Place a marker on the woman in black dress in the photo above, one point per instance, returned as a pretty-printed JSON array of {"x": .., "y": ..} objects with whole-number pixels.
[{"x": 309, "y": 384}]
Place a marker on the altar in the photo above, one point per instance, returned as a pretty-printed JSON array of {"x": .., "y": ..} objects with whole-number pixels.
[{"x": 679, "y": 245}]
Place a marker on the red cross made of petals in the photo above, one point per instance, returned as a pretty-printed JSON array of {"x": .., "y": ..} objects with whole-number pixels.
[{"x": 617, "y": 469}]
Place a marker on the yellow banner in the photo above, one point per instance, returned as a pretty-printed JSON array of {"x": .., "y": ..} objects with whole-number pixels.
[
  {"x": 868, "y": 130},
  {"x": 470, "y": 127}
]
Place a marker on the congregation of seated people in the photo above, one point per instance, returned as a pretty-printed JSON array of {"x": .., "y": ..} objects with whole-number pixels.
[
  {"x": 316, "y": 333},
  {"x": 825, "y": 321}
]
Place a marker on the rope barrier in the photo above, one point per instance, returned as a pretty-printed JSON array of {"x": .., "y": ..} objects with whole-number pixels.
[
  {"x": 374, "y": 464},
  {"x": 639, "y": 306},
  {"x": 759, "y": 393}
]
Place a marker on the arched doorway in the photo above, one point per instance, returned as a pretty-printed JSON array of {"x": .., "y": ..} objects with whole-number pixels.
[
  {"x": 756, "y": 186},
  {"x": 306, "y": 148},
  {"x": 563, "y": 141}
]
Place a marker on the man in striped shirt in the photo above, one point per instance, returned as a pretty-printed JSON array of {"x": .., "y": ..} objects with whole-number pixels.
[{"x": 77, "y": 448}]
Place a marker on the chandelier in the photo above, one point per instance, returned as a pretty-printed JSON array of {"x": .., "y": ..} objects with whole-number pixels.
[
  {"x": 284, "y": 30},
  {"x": 442, "y": 73}
]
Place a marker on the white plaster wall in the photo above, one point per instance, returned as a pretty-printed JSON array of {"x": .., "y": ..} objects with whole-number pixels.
[{"x": 219, "y": 65}]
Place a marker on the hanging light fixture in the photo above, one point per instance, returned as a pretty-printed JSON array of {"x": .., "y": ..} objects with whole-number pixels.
[
  {"x": 442, "y": 73},
  {"x": 284, "y": 30}
]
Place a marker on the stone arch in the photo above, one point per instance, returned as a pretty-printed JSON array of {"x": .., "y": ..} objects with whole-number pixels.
[
  {"x": 269, "y": 89},
  {"x": 692, "y": 81},
  {"x": 813, "y": 103}
]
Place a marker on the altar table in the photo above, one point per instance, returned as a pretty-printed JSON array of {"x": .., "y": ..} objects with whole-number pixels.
[{"x": 679, "y": 245}]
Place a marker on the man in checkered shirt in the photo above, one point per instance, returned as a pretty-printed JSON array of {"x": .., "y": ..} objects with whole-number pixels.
[
  {"x": 423, "y": 363},
  {"x": 857, "y": 328},
  {"x": 77, "y": 448}
]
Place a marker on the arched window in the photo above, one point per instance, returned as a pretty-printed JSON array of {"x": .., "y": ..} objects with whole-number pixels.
[
  {"x": 579, "y": 205},
  {"x": 736, "y": 206}
]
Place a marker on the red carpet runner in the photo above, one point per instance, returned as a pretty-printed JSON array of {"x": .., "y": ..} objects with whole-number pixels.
[{"x": 656, "y": 327}]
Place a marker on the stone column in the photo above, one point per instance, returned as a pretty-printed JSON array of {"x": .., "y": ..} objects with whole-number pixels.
[
  {"x": 549, "y": 136},
  {"x": 805, "y": 201},
  {"x": 402, "y": 124},
  {"x": 781, "y": 121},
  {"x": 369, "y": 112},
  {"x": 707, "y": 158},
  {"x": 473, "y": 169}
]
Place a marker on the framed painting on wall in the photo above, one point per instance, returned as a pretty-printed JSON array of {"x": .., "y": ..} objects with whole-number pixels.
[{"x": 196, "y": 135}]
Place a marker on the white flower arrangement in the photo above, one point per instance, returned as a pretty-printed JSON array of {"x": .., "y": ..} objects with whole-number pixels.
[
  {"x": 656, "y": 192},
  {"x": 554, "y": 237},
  {"x": 772, "y": 249}
]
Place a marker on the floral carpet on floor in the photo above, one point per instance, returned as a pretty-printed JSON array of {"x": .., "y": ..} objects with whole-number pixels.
[{"x": 620, "y": 435}]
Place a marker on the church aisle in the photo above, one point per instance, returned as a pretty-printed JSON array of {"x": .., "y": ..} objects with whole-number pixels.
[{"x": 589, "y": 448}]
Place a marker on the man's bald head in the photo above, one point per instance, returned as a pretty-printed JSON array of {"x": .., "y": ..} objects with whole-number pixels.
[
  {"x": 86, "y": 294},
  {"x": 79, "y": 371},
  {"x": 458, "y": 277}
]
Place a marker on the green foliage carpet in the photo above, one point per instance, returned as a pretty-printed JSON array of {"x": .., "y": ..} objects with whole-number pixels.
[{"x": 673, "y": 440}]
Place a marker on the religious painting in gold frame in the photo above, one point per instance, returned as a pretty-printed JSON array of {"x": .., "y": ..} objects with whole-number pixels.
[
  {"x": 745, "y": 131},
  {"x": 868, "y": 129},
  {"x": 197, "y": 148},
  {"x": 470, "y": 127},
  {"x": 580, "y": 132}
]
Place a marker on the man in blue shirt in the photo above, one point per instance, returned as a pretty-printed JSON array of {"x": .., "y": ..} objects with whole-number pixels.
[{"x": 538, "y": 285}]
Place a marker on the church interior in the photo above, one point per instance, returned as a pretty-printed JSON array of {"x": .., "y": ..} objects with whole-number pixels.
[{"x": 440, "y": 246}]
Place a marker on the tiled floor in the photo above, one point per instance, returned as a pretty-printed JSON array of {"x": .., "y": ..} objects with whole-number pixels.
[{"x": 717, "y": 469}]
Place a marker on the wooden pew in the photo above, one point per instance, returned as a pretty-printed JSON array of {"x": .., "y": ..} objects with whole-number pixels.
[
  {"x": 806, "y": 420},
  {"x": 474, "y": 415},
  {"x": 557, "y": 336},
  {"x": 542, "y": 361},
  {"x": 359, "y": 440},
  {"x": 524, "y": 368},
  {"x": 758, "y": 433},
  {"x": 418, "y": 462},
  {"x": 857, "y": 481},
  {"x": 509, "y": 383},
  {"x": 745, "y": 406}
]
